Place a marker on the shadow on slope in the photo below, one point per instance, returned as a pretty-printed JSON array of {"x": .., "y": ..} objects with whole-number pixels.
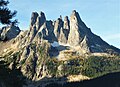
[
  {"x": 109, "y": 80},
  {"x": 14, "y": 78},
  {"x": 55, "y": 51},
  {"x": 10, "y": 78}
]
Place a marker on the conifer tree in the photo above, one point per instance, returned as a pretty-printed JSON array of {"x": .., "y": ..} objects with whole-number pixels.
[{"x": 5, "y": 14}]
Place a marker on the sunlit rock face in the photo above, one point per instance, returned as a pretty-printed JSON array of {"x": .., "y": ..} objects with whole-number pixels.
[
  {"x": 72, "y": 32},
  {"x": 74, "y": 35},
  {"x": 46, "y": 39},
  {"x": 57, "y": 27},
  {"x": 68, "y": 31}
]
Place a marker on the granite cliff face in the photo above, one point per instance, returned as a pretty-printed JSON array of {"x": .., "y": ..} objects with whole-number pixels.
[
  {"x": 47, "y": 39},
  {"x": 73, "y": 32}
]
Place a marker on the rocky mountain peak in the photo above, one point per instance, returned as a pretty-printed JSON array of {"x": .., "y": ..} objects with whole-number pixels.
[
  {"x": 57, "y": 27},
  {"x": 48, "y": 47},
  {"x": 74, "y": 29},
  {"x": 42, "y": 14},
  {"x": 37, "y": 19},
  {"x": 71, "y": 32},
  {"x": 61, "y": 17},
  {"x": 75, "y": 17},
  {"x": 66, "y": 23},
  {"x": 42, "y": 18},
  {"x": 33, "y": 18}
]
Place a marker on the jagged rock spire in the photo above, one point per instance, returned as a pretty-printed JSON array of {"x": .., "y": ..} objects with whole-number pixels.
[
  {"x": 57, "y": 27},
  {"x": 74, "y": 35},
  {"x": 66, "y": 27},
  {"x": 41, "y": 19},
  {"x": 66, "y": 23},
  {"x": 37, "y": 19},
  {"x": 85, "y": 45},
  {"x": 62, "y": 38},
  {"x": 75, "y": 17},
  {"x": 33, "y": 18},
  {"x": 34, "y": 46},
  {"x": 73, "y": 32}
]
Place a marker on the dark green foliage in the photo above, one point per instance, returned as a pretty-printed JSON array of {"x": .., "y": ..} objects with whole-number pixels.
[
  {"x": 92, "y": 66},
  {"x": 72, "y": 67},
  {"x": 43, "y": 55},
  {"x": 97, "y": 66},
  {"x": 3, "y": 3},
  {"x": 69, "y": 67},
  {"x": 5, "y": 14},
  {"x": 52, "y": 65}
]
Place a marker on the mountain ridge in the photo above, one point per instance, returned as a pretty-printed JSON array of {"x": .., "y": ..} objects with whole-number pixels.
[
  {"x": 55, "y": 48},
  {"x": 71, "y": 31}
]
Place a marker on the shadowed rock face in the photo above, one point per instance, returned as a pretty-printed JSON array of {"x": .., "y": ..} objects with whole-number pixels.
[
  {"x": 40, "y": 20},
  {"x": 66, "y": 28},
  {"x": 73, "y": 32},
  {"x": 9, "y": 32},
  {"x": 33, "y": 18},
  {"x": 57, "y": 27}
]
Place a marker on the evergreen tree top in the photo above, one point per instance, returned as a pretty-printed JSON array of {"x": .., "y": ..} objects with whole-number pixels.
[{"x": 5, "y": 14}]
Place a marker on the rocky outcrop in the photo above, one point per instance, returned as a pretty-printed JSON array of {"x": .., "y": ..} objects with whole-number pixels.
[
  {"x": 62, "y": 37},
  {"x": 51, "y": 35},
  {"x": 9, "y": 32},
  {"x": 73, "y": 33},
  {"x": 74, "y": 37},
  {"x": 58, "y": 25},
  {"x": 33, "y": 18},
  {"x": 34, "y": 48},
  {"x": 33, "y": 60},
  {"x": 41, "y": 19},
  {"x": 66, "y": 27},
  {"x": 85, "y": 45},
  {"x": 28, "y": 68}
]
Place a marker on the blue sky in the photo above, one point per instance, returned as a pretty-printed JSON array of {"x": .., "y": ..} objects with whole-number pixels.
[{"x": 102, "y": 16}]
